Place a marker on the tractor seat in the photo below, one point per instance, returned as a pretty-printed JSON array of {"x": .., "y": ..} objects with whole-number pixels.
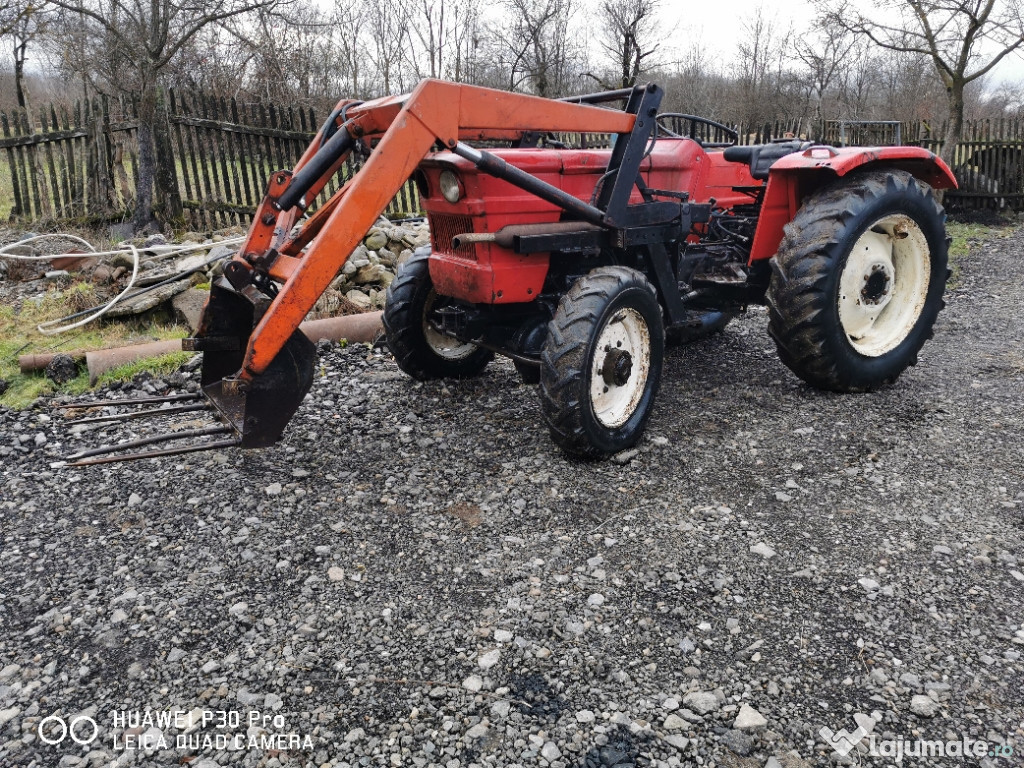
[{"x": 761, "y": 157}]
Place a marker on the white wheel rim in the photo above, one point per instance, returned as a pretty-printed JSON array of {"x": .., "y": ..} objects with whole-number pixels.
[
  {"x": 440, "y": 344},
  {"x": 620, "y": 367},
  {"x": 884, "y": 285}
]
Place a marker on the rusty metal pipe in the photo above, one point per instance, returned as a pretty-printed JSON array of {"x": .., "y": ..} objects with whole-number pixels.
[
  {"x": 103, "y": 360},
  {"x": 33, "y": 363},
  {"x": 364, "y": 327}
]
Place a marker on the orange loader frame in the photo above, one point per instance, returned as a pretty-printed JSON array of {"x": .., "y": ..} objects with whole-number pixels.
[{"x": 405, "y": 129}]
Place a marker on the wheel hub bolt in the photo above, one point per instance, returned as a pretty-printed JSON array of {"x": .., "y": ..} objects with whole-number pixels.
[
  {"x": 618, "y": 365},
  {"x": 876, "y": 285}
]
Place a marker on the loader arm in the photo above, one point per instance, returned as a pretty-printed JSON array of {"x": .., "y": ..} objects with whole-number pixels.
[{"x": 406, "y": 128}]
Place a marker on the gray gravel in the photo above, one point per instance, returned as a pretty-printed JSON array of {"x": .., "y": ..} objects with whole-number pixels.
[{"x": 415, "y": 577}]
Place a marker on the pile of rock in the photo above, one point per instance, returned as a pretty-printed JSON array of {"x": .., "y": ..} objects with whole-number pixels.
[{"x": 363, "y": 282}]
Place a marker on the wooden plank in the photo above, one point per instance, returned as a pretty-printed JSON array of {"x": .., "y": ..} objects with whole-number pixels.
[
  {"x": 268, "y": 150},
  {"x": 12, "y": 166},
  {"x": 254, "y": 130},
  {"x": 79, "y": 153},
  {"x": 30, "y": 156},
  {"x": 36, "y": 138},
  {"x": 56, "y": 203},
  {"x": 191, "y": 154},
  {"x": 282, "y": 162},
  {"x": 179, "y": 145},
  {"x": 219, "y": 181},
  {"x": 131, "y": 107},
  {"x": 104, "y": 173},
  {"x": 89, "y": 159},
  {"x": 244, "y": 160},
  {"x": 229, "y": 159},
  {"x": 69, "y": 156},
  {"x": 25, "y": 209},
  {"x": 201, "y": 153}
]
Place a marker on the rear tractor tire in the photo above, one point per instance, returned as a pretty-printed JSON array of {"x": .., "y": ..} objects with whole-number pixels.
[
  {"x": 601, "y": 363},
  {"x": 858, "y": 281},
  {"x": 419, "y": 349}
]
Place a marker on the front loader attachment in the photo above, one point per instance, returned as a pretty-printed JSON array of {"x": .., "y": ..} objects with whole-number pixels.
[
  {"x": 250, "y": 413},
  {"x": 257, "y": 408},
  {"x": 257, "y": 364}
]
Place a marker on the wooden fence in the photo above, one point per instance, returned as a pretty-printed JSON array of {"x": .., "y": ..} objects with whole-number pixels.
[{"x": 80, "y": 163}]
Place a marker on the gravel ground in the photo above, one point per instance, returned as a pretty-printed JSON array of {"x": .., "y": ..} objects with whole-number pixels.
[{"x": 415, "y": 577}]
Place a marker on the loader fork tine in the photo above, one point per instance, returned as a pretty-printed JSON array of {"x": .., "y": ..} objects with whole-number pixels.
[
  {"x": 188, "y": 433},
  {"x": 144, "y": 414},
  {"x": 85, "y": 462},
  {"x": 132, "y": 401}
]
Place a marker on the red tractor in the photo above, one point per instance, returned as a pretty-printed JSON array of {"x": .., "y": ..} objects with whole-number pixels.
[{"x": 581, "y": 264}]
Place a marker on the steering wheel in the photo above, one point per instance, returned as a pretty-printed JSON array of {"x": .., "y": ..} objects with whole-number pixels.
[{"x": 712, "y": 128}]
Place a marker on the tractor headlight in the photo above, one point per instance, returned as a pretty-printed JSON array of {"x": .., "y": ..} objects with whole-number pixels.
[{"x": 451, "y": 187}]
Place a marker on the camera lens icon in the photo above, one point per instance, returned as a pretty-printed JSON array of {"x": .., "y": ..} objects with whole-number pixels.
[{"x": 76, "y": 730}]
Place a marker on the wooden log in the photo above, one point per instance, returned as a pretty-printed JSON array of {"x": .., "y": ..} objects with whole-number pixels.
[{"x": 145, "y": 302}]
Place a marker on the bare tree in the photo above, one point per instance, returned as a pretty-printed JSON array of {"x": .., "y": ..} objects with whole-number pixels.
[
  {"x": 387, "y": 26},
  {"x": 350, "y": 21},
  {"x": 630, "y": 37},
  {"x": 22, "y": 22},
  {"x": 465, "y": 41},
  {"x": 760, "y": 55},
  {"x": 535, "y": 48},
  {"x": 290, "y": 54},
  {"x": 131, "y": 45},
  {"x": 825, "y": 54},
  {"x": 430, "y": 28},
  {"x": 964, "y": 39}
]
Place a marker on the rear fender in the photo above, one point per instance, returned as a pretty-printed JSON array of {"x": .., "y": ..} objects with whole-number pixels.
[{"x": 795, "y": 176}]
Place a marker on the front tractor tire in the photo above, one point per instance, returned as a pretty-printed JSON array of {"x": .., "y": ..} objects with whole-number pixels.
[
  {"x": 601, "y": 362},
  {"x": 858, "y": 281},
  {"x": 420, "y": 350}
]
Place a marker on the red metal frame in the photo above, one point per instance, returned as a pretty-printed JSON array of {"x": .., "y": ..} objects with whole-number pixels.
[{"x": 486, "y": 273}]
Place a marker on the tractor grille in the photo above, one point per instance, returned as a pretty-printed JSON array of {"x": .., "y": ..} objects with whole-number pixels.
[{"x": 443, "y": 227}]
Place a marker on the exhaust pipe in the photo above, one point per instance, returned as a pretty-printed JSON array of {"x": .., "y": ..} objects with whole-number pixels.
[{"x": 505, "y": 237}]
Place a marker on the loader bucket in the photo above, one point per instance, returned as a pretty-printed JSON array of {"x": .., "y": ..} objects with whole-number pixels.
[
  {"x": 259, "y": 409},
  {"x": 249, "y": 414}
]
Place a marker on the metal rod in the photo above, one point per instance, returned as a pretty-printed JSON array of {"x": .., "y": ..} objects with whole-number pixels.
[
  {"x": 144, "y": 414},
  {"x": 498, "y": 168},
  {"x": 219, "y": 430},
  {"x": 600, "y": 97},
  {"x": 132, "y": 401},
  {"x": 156, "y": 454}
]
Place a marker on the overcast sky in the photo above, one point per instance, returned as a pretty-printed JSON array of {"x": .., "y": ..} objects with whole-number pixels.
[{"x": 718, "y": 25}]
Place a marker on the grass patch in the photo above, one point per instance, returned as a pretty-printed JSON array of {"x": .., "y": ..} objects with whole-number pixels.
[
  {"x": 158, "y": 366},
  {"x": 965, "y": 236},
  {"x": 19, "y": 336}
]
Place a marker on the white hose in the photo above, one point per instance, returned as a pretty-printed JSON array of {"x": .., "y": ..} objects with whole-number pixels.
[{"x": 48, "y": 328}]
